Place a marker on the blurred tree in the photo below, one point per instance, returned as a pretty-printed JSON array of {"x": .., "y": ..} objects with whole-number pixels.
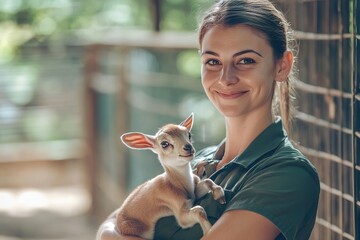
[
  {"x": 35, "y": 51},
  {"x": 43, "y": 20}
]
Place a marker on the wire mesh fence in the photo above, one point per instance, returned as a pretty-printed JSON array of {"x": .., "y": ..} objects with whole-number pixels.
[{"x": 328, "y": 114}]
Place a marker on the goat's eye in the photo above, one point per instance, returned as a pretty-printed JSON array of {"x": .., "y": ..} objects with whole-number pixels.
[
  {"x": 189, "y": 136},
  {"x": 165, "y": 144}
]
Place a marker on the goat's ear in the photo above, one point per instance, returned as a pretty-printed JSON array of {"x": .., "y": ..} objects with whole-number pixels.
[
  {"x": 137, "y": 140},
  {"x": 188, "y": 123}
]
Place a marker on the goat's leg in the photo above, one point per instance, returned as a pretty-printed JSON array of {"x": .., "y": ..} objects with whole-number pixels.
[
  {"x": 206, "y": 185},
  {"x": 188, "y": 217}
]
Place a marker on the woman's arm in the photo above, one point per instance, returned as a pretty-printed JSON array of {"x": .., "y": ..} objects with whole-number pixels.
[{"x": 242, "y": 224}]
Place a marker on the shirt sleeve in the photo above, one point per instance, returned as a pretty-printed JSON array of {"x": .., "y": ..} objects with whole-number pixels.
[{"x": 287, "y": 196}]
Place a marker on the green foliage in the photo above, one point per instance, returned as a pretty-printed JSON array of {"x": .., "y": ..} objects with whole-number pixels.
[
  {"x": 43, "y": 20},
  {"x": 34, "y": 54},
  {"x": 188, "y": 63}
]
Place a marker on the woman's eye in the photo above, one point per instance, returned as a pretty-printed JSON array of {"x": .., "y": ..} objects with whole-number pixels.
[
  {"x": 165, "y": 144},
  {"x": 213, "y": 62},
  {"x": 247, "y": 61}
]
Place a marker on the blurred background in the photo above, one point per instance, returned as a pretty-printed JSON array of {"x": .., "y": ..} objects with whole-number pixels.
[{"x": 76, "y": 74}]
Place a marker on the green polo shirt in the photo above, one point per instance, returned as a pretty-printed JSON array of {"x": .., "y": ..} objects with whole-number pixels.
[{"x": 271, "y": 178}]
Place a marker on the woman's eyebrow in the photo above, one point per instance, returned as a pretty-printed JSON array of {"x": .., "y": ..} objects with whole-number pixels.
[
  {"x": 210, "y": 53},
  {"x": 247, "y": 51},
  {"x": 236, "y": 54}
]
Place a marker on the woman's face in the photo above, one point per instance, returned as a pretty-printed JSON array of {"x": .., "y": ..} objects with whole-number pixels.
[{"x": 238, "y": 70}]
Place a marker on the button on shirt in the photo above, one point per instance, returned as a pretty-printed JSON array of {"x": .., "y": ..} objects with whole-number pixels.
[{"x": 271, "y": 177}]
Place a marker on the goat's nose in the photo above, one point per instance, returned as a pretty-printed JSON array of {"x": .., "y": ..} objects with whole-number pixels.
[{"x": 188, "y": 147}]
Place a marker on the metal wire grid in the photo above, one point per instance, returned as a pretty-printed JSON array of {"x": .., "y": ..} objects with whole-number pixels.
[
  {"x": 356, "y": 116},
  {"x": 329, "y": 109}
]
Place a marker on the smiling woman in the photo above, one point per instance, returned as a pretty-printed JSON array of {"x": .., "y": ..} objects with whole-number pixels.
[
  {"x": 267, "y": 23},
  {"x": 247, "y": 66},
  {"x": 240, "y": 69},
  {"x": 271, "y": 189}
]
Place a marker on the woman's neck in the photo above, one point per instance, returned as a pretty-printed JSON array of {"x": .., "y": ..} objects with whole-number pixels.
[{"x": 240, "y": 132}]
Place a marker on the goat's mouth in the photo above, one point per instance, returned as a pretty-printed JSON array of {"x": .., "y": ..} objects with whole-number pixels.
[{"x": 186, "y": 156}]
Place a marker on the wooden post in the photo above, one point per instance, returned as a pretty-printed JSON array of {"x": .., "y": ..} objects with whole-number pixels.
[{"x": 90, "y": 68}]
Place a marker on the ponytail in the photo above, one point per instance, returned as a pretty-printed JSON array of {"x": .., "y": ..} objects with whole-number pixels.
[{"x": 283, "y": 102}]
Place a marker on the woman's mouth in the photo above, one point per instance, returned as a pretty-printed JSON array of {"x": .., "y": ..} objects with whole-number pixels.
[{"x": 231, "y": 95}]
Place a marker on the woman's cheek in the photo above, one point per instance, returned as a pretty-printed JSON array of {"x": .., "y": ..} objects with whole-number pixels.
[{"x": 209, "y": 76}]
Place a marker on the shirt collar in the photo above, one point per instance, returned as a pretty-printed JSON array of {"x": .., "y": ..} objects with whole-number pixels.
[{"x": 267, "y": 141}]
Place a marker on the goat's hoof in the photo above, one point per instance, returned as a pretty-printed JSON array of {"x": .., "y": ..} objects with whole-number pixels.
[
  {"x": 219, "y": 195},
  {"x": 221, "y": 200},
  {"x": 200, "y": 211}
]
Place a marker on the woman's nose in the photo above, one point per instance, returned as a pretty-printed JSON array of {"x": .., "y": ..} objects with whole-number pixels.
[{"x": 229, "y": 75}]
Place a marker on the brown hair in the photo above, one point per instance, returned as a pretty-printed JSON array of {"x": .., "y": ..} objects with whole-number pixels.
[{"x": 264, "y": 17}]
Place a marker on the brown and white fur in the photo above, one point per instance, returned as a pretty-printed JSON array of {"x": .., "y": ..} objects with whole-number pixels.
[{"x": 170, "y": 193}]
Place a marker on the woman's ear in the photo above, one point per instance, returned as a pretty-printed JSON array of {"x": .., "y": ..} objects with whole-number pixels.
[{"x": 283, "y": 66}]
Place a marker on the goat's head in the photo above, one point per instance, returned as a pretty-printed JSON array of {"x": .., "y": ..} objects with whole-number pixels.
[{"x": 172, "y": 142}]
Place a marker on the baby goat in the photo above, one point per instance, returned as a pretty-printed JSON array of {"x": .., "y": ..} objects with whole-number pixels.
[{"x": 170, "y": 193}]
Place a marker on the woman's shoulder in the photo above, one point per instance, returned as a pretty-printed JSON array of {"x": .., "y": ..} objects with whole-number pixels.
[{"x": 288, "y": 167}]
